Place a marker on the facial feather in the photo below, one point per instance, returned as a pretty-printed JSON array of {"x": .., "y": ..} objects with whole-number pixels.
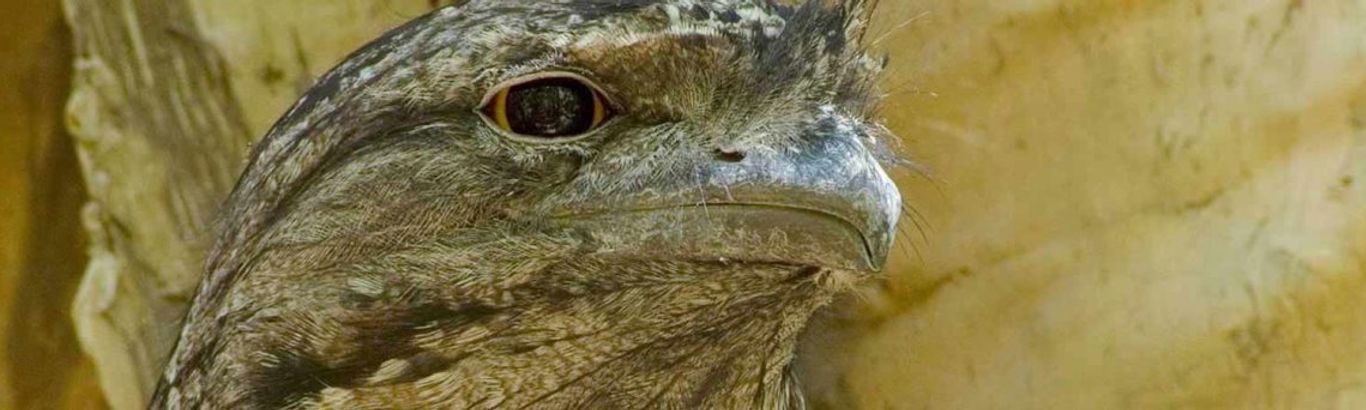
[{"x": 386, "y": 248}]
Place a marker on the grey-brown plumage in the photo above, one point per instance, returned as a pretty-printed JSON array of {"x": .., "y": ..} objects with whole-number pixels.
[{"x": 390, "y": 247}]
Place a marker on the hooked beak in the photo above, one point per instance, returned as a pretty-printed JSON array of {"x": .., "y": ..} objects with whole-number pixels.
[{"x": 823, "y": 201}]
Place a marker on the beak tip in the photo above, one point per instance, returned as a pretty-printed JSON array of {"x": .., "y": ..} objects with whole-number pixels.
[{"x": 876, "y": 248}]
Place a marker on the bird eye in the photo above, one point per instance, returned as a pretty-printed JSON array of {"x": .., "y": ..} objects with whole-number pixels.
[{"x": 548, "y": 107}]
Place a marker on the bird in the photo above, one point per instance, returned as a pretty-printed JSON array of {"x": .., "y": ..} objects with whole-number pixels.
[{"x": 551, "y": 204}]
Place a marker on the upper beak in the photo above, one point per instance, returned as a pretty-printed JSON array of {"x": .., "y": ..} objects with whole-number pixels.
[{"x": 823, "y": 200}]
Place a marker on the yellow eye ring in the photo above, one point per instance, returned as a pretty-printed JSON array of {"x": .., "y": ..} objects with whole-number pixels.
[
  {"x": 500, "y": 110},
  {"x": 547, "y": 107}
]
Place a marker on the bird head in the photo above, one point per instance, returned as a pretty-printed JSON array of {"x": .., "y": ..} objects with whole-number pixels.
[{"x": 547, "y": 204}]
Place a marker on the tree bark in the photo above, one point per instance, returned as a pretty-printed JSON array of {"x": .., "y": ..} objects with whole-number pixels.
[
  {"x": 161, "y": 138},
  {"x": 1129, "y": 204}
]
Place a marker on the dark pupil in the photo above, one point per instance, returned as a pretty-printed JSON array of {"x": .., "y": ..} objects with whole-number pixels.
[{"x": 550, "y": 108}]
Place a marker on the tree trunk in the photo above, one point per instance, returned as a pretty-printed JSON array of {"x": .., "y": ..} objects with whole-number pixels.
[{"x": 1129, "y": 204}]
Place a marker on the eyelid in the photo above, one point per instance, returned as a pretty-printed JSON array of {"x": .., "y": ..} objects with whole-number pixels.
[{"x": 509, "y": 84}]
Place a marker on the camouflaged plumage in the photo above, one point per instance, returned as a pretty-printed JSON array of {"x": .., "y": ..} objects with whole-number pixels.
[{"x": 386, "y": 249}]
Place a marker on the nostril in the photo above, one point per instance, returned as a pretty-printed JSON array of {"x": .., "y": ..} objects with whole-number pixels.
[{"x": 730, "y": 156}]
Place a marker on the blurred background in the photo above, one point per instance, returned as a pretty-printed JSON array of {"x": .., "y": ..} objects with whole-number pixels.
[{"x": 1123, "y": 204}]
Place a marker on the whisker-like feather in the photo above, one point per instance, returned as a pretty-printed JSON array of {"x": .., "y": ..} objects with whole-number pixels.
[{"x": 900, "y": 26}]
